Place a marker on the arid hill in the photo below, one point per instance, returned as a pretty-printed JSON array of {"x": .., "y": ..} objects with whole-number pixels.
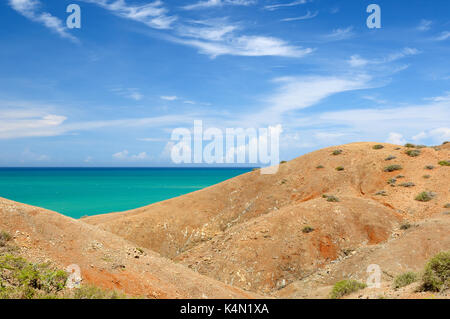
[{"x": 323, "y": 217}]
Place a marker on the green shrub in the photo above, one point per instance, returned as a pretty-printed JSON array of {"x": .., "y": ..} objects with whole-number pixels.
[
  {"x": 405, "y": 279},
  {"x": 413, "y": 153},
  {"x": 331, "y": 198},
  {"x": 337, "y": 152},
  {"x": 283, "y": 162},
  {"x": 437, "y": 273},
  {"x": 409, "y": 145},
  {"x": 339, "y": 168},
  {"x": 444, "y": 163},
  {"x": 408, "y": 184},
  {"x": 399, "y": 176},
  {"x": 392, "y": 181},
  {"x": 392, "y": 168},
  {"x": 319, "y": 166},
  {"x": 424, "y": 197},
  {"x": 92, "y": 292},
  {"x": 346, "y": 287},
  {"x": 381, "y": 193},
  {"x": 390, "y": 158},
  {"x": 405, "y": 226},
  {"x": 307, "y": 229},
  {"x": 447, "y": 205},
  {"x": 421, "y": 146},
  {"x": 4, "y": 237},
  {"x": 426, "y": 176},
  {"x": 378, "y": 147},
  {"x": 430, "y": 167}
]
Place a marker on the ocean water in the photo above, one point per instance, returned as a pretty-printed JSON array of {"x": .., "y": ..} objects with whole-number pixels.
[{"x": 77, "y": 192}]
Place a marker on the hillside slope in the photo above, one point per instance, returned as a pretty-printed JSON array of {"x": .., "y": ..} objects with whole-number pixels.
[
  {"x": 105, "y": 259},
  {"x": 250, "y": 231}
]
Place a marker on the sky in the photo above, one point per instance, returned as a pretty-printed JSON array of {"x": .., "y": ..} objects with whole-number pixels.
[{"x": 111, "y": 92}]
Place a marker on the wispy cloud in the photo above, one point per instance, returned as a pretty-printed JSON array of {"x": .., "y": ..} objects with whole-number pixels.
[
  {"x": 357, "y": 61},
  {"x": 443, "y": 36},
  {"x": 424, "y": 25},
  {"x": 130, "y": 93},
  {"x": 340, "y": 34},
  {"x": 31, "y": 9},
  {"x": 169, "y": 98},
  {"x": 277, "y": 6},
  {"x": 218, "y": 3},
  {"x": 152, "y": 14},
  {"x": 307, "y": 16},
  {"x": 126, "y": 156}
]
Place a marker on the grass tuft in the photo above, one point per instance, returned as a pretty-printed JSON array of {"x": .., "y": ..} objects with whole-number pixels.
[
  {"x": 405, "y": 279},
  {"x": 424, "y": 197},
  {"x": 392, "y": 168},
  {"x": 346, "y": 287}
]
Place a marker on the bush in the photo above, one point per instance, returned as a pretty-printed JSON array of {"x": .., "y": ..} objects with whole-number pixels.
[
  {"x": 392, "y": 181},
  {"x": 307, "y": 229},
  {"x": 426, "y": 176},
  {"x": 339, "y": 168},
  {"x": 390, "y": 157},
  {"x": 319, "y": 166},
  {"x": 405, "y": 279},
  {"x": 444, "y": 163},
  {"x": 424, "y": 197},
  {"x": 346, "y": 287},
  {"x": 283, "y": 162},
  {"x": 405, "y": 226},
  {"x": 447, "y": 205},
  {"x": 437, "y": 273},
  {"x": 337, "y": 152},
  {"x": 92, "y": 292},
  {"x": 430, "y": 167},
  {"x": 392, "y": 168},
  {"x": 330, "y": 198},
  {"x": 378, "y": 147},
  {"x": 409, "y": 145},
  {"x": 413, "y": 153},
  {"x": 408, "y": 184},
  {"x": 381, "y": 193},
  {"x": 4, "y": 237}
]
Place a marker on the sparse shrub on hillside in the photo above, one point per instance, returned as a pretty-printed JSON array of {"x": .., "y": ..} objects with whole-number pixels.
[
  {"x": 283, "y": 162},
  {"x": 337, "y": 152},
  {"x": 4, "y": 236},
  {"x": 331, "y": 198},
  {"x": 346, "y": 287},
  {"x": 430, "y": 167},
  {"x": 381, "y": 193},
  {"x": 447, "y": 205},
  {"x": 421, "y": 146},
  {"x": 307, "y": 229},
  {"x": 378, "y": 147},
  {"x": 340, "y": 168},
  {"x": 255, "y": 169},
  {"x": 407, "y": 184},
  {"x": 92, "y": 292},
  {"x": 444, "y": 163},
  {"x": 409, "y": 145},
  {"x": 392, "y": 181},
  {"x": 390, "y": 158},
  {"x": 446, "y": 142},
  {"x": 392, "y": 168},
  {"x": 399, "y": 176},
  {"x": 319, "y": 166},
  {"x": 413, "y": 153},
  {"x": 405, "y": 279},
  {"x": 405, "y": 226},
  {"x": 426, "y": 176},
  {"x": 424, "y": 197},
  {"x": 437, "y": 273}
]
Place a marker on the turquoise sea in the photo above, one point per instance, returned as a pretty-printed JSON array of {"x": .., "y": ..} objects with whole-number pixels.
[{"x": 77, "y": 192}]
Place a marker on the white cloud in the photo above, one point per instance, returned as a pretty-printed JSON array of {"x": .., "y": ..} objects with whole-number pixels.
[
  {"x": 31, "y": 10},
  {"x": 28, "y": 155},
  {"x": 307, "y": 16},
  {"x": 130, "y": 93},
  {"x": 248, "y": 46},
  {"x": 396, "y": 138},
  {"x": 357, "y": 61},
  {"x": 340, "y": 34},
  {"x": 443, "y": 36},
  {"x": 424, "y": 25},
  {"x": 152, "y": 14},
  {"x": 277, "y": 6},
  {"x": 169, "y": 98},
  {"x": 126, "y": 156},
  {"x": 218, "y": 3}
]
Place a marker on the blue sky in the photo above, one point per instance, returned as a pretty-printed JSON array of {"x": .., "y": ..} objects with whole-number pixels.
[{"x": 110, "y": 93}]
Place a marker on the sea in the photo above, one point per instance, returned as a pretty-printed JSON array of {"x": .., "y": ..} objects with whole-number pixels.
[{"x": 79, "y": 192}]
